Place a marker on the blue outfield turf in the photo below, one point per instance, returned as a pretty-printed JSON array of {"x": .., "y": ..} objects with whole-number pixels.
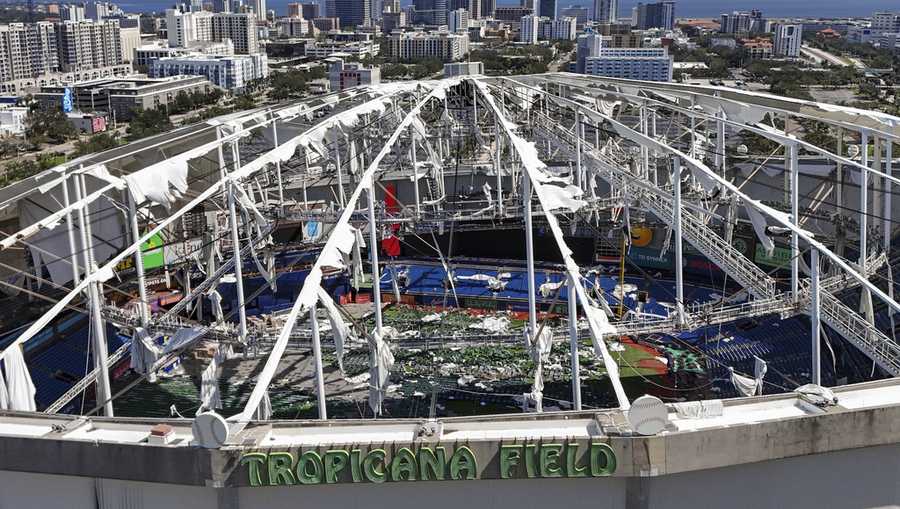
[{"x": 428, "y": 281}]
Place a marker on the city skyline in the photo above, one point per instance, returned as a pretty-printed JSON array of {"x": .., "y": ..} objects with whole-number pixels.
[{"x": 684, "y": 8}]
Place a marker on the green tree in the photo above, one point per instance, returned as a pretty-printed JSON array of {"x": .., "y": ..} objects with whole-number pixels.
[
  {"x": 97, "y": 143},
  {"x": 149, "y": 122},
  {"x": 49, "y": 125}
]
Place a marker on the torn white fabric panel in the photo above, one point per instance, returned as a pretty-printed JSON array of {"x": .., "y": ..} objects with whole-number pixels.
[
  {"x": 210, "y": 397},
  {"x": 342, "y": 333},
  {"x": 183, "y": 337},
  {"x": 549, "y": 288},
  {"x": 759, "y": 226},
  {"x": 19, "y": 387},
  {"x": 556, "y": 198},
  {"x": 744, "y": 385},
  {"x": 333, "y": 254},
  {"x": 380, "y": 371},
  {"x": 759, "y": 372},
  {"x": 264, "y": 411},
  {"x": 4, "y": 394},
  {"x": 144, "y": 352},
  {"x": 51, "y": 248},
  {"x": 215, "y": 299},
  {"x": 166, "y": 181},
  {"x": 703, "y": 409}
]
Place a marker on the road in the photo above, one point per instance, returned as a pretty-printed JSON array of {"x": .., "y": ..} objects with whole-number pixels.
[
  {"x": 823, "y": 56},
  {"x": 559, "y": 61}
]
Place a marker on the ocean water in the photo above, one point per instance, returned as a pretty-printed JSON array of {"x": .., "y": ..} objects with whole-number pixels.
[{"x": 684, "y": 8}]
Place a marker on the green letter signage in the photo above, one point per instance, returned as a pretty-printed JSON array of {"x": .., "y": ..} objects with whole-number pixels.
[
  {"x": 254, "y": 462},
  {"x": 309, "y": 468},
  {"x": 463, "y": 459},
  {"x": 280, "y": 469},
  {"x": 509, "y": 460},
  {"x": 403, "y": 465},
  {"x": 335, "y": 461},
  {"x": 549, "y": 461},
  {"x": 432, "y": 465},
  {"x": 429, "y": 463},
  {"x": 603, "y": 460},
  {"x": 374, "y": 474}
]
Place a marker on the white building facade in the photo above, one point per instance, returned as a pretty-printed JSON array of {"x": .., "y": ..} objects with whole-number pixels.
[
  {"x": 787, "y": 40},
  {"x": 528, "y": 29},
  {"x": 229, "y": 72},
  {"x": 650, "y": 64}
]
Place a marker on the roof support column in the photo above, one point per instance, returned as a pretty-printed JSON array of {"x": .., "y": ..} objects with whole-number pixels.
[
  {"x": 679, "y": 263},
  {"x": 573, "y": 344},
  {"x": 814, "y": 317},
  {"x": 317, "y": 356},
  {"x": 794, "y": 173},
  {"x": 100, "y": 353},
  {"x": 866, "y": 301}
]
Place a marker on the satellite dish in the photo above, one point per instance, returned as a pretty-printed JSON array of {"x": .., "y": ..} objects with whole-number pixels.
[
  {"x": 648, "y": 415},
  {"x": 210, "y": 430},
  {"x": 742, "y": 150},
  {"x": 853, "y": 150}
]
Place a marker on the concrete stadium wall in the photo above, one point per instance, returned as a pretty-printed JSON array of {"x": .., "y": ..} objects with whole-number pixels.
[{"x": 856, "y": 478}]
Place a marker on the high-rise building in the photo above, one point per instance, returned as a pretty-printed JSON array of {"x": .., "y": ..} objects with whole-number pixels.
[
  {"x": 130, "y": 37},
  {"x": 528, "y": 30},
  {"x": 416, "y": 45},
  {"x": 589, "y": 45},
  {"x": 619, "y": 35},
  {"x": 648, "y": 64},
  {"x": 222, "y": 5},
  {"x": 97, "y": 10},
  {"x": 787, "y": 40},
  {"x": 512, "y": 14},
  {"x": 606, "y": 11},
  {"x": 231, "y": 72},
  {"x": 458, "y": 21},
  {"x": 310, "y": 10},
  {"x": 655, "y": 15},
  {"x": 240, "y": 28},
  {"x": 27, "y": 50},
  {"x": 487, "y": 8},
  {"x": 391, "y": 21},
  {"x": 564, "y": 29},
  {"x": 294, "y": 10},
  {"x": 546, "y": 8},
  {"x": 576, "y": 11},
  {"x": 350, "y": 12},
  {"x": 429, "y": 12},
  {"x": 472, "y": 6},
  {"x": 71, "y": 12},
  {"x": 186, "y": 27},
  {"x": 259, "y": 8},
  {"x": 343, "y": 75},
  {"x": 735, "y": 23},
  {"x": 391, "y": 6},
  {"x": 88, "y": 44},
  {"x": 886, "y": 22}
]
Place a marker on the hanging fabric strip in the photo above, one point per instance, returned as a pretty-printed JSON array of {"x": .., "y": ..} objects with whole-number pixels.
[
  {"x": 4, "y": 394},
  {"x": 342, "y": 333},
  {"x": 380, "y": 371},
  {"x": 210, "y": 397},
  {"x": 759, "y": 226},
  {"x": 759, "y": 372},
  {"x": 19, "y": 387},
  {"x": 744, "y": 385}
]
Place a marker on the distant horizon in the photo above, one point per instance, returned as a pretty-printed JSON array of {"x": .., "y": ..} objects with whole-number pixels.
[{"x": 683, "y": 8}]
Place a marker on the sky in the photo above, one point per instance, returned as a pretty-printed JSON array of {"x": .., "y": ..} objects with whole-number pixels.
[{"x": 684, "y": 8}]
